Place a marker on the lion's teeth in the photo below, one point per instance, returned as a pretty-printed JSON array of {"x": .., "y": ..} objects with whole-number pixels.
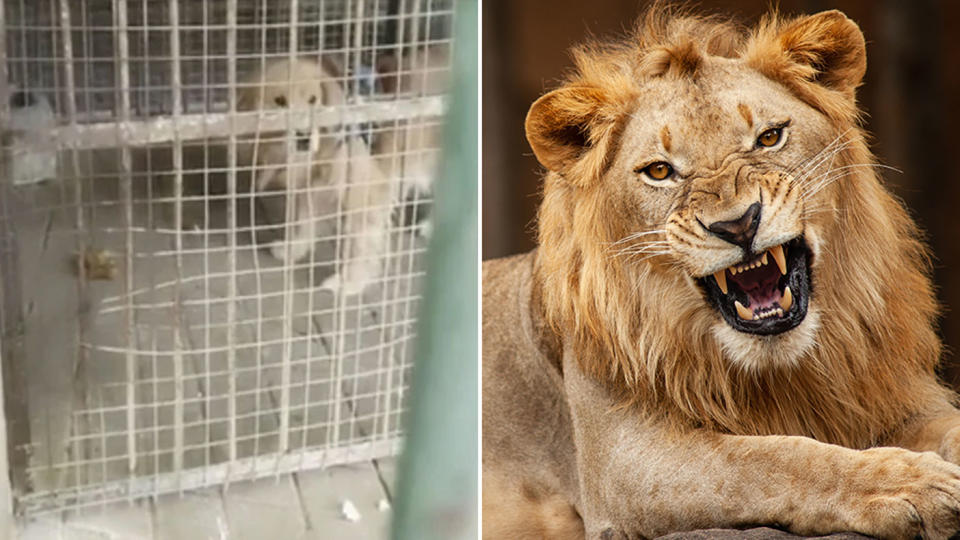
[
  {"x": 787, "y": 299},
  {"x": 763, "y": 259},
  {"x": 721, "y": 278},
  {"x": 743, "y": 312},
  {"x": 777, "y": 252}
]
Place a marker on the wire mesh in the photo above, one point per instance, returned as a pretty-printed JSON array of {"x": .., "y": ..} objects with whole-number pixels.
[{"x": 211, "y": 238}]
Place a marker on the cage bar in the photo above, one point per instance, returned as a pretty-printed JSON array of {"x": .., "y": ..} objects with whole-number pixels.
[{"x": 232, "y": 253}]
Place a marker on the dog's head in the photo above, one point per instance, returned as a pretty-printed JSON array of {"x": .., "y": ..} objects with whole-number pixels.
[{"x": 299, "y": 85}]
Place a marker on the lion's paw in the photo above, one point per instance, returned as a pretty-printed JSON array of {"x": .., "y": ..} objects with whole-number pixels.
[{"x": 901, "y": 494}]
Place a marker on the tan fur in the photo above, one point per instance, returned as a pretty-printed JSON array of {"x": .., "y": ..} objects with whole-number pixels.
[
  {"x": 522, "y": 513},
  {"x": 680, "y": 421},
  {"x": 665, "y": 138},
  {"x": 746, "y": 114}
]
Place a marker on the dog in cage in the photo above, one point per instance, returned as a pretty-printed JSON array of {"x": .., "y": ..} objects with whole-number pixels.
[{"x": 326, "y": 171}]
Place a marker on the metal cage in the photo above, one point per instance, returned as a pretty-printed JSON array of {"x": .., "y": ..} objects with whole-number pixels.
[{"x": 151, "y": 343}]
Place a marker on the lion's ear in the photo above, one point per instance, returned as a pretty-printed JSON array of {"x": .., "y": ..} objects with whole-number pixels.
[
  {"x": 826, "y": 49},
  {"x": 559, "y": 125}
]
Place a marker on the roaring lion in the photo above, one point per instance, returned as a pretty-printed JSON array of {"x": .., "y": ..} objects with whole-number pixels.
[{"x": 729, "y": 320}]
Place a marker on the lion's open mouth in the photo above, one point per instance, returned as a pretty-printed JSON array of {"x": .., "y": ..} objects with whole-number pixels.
[{"x": 764, "y": 294}]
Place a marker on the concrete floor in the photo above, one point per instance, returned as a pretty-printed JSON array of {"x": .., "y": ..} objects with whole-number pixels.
[
  {"x": 139, "y": 376},
  {"x": 304, "y": 505}
]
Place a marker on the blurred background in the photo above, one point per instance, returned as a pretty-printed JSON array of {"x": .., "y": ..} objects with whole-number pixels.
[{"x": 911, "y": 95}]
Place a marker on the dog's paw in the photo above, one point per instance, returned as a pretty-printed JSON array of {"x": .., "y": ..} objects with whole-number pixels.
[
  {"x": 425, "y": 229},
  {"x": 901, "y": 494},
  {"x": 336, "y": 284},
  {"x": 292, "y": 253}
]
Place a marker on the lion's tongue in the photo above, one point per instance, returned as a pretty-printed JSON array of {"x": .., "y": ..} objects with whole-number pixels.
[{"x": 760, "y": 284}]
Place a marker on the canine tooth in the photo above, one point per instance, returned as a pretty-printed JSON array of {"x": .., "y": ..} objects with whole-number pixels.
[
  {"x": 763, "y": 259},
  {"x": 721, "y": 278},
  {"x": 787, "y": 299},
  {"x": 780, "y": 258},
  {"x": 743, "y": 312}
]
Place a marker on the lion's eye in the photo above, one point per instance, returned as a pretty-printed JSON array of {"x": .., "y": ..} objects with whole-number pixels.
[
  {"x": 770, "y": 137},
  {"x": 280, "y": 100},
  {"x": 658, "y": 171}
]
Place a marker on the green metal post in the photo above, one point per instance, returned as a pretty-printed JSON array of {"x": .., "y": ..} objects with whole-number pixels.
[{"x": 437, "y": 496}]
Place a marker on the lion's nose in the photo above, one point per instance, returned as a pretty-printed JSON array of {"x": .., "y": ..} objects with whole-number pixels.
[{"x": 739, "y": 231}]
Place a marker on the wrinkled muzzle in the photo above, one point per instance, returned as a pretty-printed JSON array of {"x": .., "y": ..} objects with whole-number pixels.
[
  {"x": 305, "y": 140},
  {"x": 741, "y": 239}
]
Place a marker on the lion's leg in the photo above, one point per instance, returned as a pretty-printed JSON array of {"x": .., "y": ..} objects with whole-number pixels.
[
  {"x": 512, "y": 511},
  {"x": 646, "y": 478},
  {"x": 938, "y": 433}
]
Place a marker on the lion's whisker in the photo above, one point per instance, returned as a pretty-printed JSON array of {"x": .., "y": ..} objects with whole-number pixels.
[
  {"x": 816, "y": 184},
  {"x": 634, "y": 236},
  {"x": 833, "y": 170},
  {"x": 805, "y": 170},
  {"x": 644, "y": 245},
  {"x": 641, "y": 252},
  {"x": 855, "y": 166},
  {"x": 649, "y": 257},
  {"x": 647, "y": 249},
  {"x": 832, "y": 147},
  {"x": 811, "y": 168}
]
